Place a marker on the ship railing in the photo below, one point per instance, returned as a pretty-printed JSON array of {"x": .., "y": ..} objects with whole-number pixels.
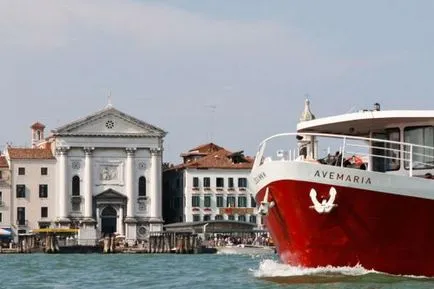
[{"x": 398, "y": 156}]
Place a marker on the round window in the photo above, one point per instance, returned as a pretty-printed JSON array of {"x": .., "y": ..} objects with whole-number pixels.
[{"x": 109, "y": 124}]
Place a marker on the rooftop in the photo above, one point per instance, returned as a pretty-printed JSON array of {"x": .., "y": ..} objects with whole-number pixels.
[
  {"x": 30, "y": 153},
  {"x": 212, "y": 156}
]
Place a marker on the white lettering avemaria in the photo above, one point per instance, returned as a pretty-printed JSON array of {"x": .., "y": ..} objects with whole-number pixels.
[{"x": 342, "y": 177}]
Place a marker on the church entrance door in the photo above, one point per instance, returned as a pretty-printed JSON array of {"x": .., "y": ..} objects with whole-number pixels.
[{"x": 108, "y": 220}]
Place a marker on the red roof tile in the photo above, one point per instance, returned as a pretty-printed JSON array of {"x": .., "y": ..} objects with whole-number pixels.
[
  {"x": 30, "y": 153},
  {"x": 204, "y": 149},
  {"x": 220, "y": 159},
  {"x": 3, "y": 162},
  {"x": 37, "y": 125}
]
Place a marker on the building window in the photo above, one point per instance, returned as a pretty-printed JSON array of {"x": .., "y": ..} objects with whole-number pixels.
[
  {"x": 231, "y": 183},
  {"x": 44, "y": 212},
  {"x": 252, "y": 202},
  {"x": 43, "y": 191},
  {"x": 218, "y": 217},
  {"x": 230, "y": 201},
  {"x": 195, "y": 201},
  {"x": 44, "y": 171},
  {"x": 219, "y": 201},
  {"x": 21, "y": 216},
  {"x": 207, "y": 201},
  {"x": 242, "y": 201},
  {"x": 242, "y": 218},
  {"x": 1, "y": 196},
  {"x": 21, "y": 171},
  {"x": 195, "y": 182},
  {"x": 220, "y": 183},
  {"x": 196, "y": 218},
  {"x": 76, "y": 186},
  {"x": 242, "y": 183},
  {"x": 207, "y": 182},
  {"x": 422, "y": 157},
  {"x": 252, "y": 219},
  {"x": 142, "y": 186},
  {"x": 1, "y": 177},
  {"x": 21, "y": 191},
  {"x": 1, "y": 218},
  {"x": 231, "y": 217},
  {"x": 207, "y": 217}
]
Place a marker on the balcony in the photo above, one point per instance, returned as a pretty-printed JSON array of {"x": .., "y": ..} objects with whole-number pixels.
[{"x": 22, "y": 223}]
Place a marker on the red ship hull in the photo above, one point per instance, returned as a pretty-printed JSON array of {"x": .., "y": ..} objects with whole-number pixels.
[{"x": 382, "y": 231}]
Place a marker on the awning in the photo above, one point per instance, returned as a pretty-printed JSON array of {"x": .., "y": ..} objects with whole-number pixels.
[{"x": 5, "y": 232}]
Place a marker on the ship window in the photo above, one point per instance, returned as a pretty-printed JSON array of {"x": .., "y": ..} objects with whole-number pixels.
[
  {"x": 422, "y": 157},
  {"x": 386, "y": 156}
]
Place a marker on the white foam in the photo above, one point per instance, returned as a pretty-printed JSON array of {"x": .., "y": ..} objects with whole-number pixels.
[{"x": 272, "y": 268}]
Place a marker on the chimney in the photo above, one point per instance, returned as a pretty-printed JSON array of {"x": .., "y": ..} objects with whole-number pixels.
[{"x": 37, "y": 133}]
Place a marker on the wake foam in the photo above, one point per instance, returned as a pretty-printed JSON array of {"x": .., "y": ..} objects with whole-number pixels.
[{"x": 272, "y": 268}]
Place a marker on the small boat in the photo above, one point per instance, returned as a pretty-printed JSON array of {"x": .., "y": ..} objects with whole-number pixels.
[{"x": 371, "y": 203}]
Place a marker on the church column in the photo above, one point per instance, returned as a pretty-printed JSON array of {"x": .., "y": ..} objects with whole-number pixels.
[
  {"x": 156, "y": 183},
  {"x": 121, "y": 217},
  {"x": 88, "y": 182},
  {"x": 62, "y": 213},
  {"x": 129, "y": 182}
]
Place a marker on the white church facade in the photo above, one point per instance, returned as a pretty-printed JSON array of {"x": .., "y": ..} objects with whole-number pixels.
[{"x": 101, "y": 174}]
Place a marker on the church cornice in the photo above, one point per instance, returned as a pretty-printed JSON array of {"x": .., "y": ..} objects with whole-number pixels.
[
  {"x": 151, "y": 130},
  {"x": 119, "y": 135}
]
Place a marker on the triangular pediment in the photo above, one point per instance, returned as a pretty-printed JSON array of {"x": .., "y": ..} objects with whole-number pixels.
[
  {"x": 109, "y": 122},
  {"x": 110, "y": 194}
]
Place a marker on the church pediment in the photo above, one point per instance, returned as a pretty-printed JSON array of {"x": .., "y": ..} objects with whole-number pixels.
[
  {"x": 109, "y": 122},
  {"x": 110, "y": 195}
]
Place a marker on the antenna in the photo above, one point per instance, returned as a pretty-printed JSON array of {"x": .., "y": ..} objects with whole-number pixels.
[
  {"x": 109, "y": 98},
  {"x": 212, "y": 108}
]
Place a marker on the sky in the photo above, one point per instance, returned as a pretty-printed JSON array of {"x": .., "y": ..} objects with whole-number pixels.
[{"x": 231, "y": 72}]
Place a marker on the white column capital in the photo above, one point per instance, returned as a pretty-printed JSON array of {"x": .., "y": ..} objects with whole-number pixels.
[
  {"x": 156, "y": 151},
  {"x": 62, "y": 151},
  {"x": 88, "y": 150},
  {"x": 130, "y": 151}
]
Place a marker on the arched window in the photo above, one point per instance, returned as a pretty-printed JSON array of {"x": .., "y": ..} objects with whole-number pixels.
[
  {"x": 142, "y": 186},
  {"x": 76, "y": 186}
]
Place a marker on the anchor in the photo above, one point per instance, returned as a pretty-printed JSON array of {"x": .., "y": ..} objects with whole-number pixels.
[
  {"x": 265, "y": 204},
  {"x": 324, "y": 206}
]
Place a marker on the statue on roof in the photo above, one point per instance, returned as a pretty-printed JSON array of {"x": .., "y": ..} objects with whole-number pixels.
[{"x": 307, "y": 113}]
